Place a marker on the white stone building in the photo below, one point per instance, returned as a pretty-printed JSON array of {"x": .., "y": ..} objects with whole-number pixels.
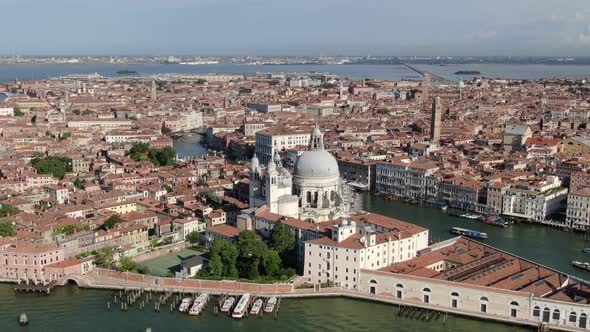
[{"x": 314, "y": 192}]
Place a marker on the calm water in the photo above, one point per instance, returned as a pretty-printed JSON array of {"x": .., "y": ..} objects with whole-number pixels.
[
  {"x": 548, "y": 246},
  {"x": 392, "y": 72},
  {"x": 528, "y": 72},
  {"x": 189, "y": 145},
  {"x": 73, "y": 309}
]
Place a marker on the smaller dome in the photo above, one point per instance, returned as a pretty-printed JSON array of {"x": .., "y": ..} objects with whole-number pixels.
[
  {"x": 254, "y": 161},
  {"x": 316, "y": 164}
]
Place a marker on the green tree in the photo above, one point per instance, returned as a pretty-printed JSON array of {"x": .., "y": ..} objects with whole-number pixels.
[
  {"x": 7, "y": 228},
  {"x": 111, "y": 222},
  {"x": 8, "y": 210},
  {"x": 65, "y": 135},
  {"x": 252, "y": 270},
  {"x": 105, "y": 258},
  {"x": 201, "y": 81},
  {"x": 126, "y": 264},
  {"x": 76, "y": 112},
  {"x": 17, "y": 112},
  {"x": 163, "y": 157},
  {"x": 57, "y": 166},
  {"x": 168, "y": 188},
  {"x": 79, "y": 183},
  {"x": 144, "y": 270},
  {"x": 215, "y": 267},
  {"x": 194, "y": 237},
  {"x": 165, "y": 130},
  {"x": 271, "y": 263},
  {"x": 281, "y": 239}
]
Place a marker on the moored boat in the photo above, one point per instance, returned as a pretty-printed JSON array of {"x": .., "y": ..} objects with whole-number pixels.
[
  {"x": 469, "y": 233},
  {"x": 227, "y": 304},
  {"x": 241, "y": 307},
  {"x": 199, "y": 304},
  {"x": 255, "y": 310},
  {"x": 581, "y": 265},
  {"x": 496, "y": 221},
  {"x": 270, "y": 304},
  {"x": 185, "y": 304},
  {"x": 586, "y": 250}
]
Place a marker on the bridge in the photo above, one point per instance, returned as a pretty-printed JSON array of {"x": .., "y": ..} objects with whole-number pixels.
[{"x": 435, "y": 79}]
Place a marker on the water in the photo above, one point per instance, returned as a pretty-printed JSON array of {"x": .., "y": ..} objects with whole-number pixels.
[
  {"x": 189, "y": 145},
  {"x": 74, "y": 309},
  {"x": 548, "y": 246},
  {"x": 521, "y": 71},
  {"x": 387, "y": 72}
]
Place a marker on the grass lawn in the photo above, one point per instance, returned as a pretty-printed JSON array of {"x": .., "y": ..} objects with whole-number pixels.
[{"x": 170, "y": 263}]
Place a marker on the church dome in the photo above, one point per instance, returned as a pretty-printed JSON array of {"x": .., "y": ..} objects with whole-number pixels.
[{"x": 316, "y": 164}]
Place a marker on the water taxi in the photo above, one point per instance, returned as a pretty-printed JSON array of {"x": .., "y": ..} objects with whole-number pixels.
[
  {"x": 185, "y": 304},
  {"x": 227, "y": 304},
  {"x": 270, "y": 304},
  {"x": 469, "y": 233},
  {"x": 496, "y": 221},
  {"x": 241, "y": 307},
  {"x": 256, "y": 307},
  {"x": 581, "y": 265},
  {"x": 199, "y": 304}
]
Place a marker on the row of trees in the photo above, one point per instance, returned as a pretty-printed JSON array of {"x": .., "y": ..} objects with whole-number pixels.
[
  {"x": 159, "y": 157},
  {"x": 251, "y": 258}
]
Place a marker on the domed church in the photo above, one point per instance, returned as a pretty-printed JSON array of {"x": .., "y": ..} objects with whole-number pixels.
[{"x": 314, "y": 193}]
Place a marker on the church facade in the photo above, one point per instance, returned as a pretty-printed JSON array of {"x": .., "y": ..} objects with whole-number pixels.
[{"x": 313, "y": 193}]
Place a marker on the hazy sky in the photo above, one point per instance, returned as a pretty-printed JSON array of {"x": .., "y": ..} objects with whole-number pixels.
[{"x": 296, "y": 27}]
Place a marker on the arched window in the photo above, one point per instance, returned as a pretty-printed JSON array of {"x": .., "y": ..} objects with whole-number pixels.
[
  {"x": 573, "y": 317},
  {"x": 556, "y": 314},
  {"x": 399, "y": 291},
  {"x": 513, "y": 308},
  {"x": 536, "y": 312},
  {"x": 332, "y": 195},
  {"x": 546, "y": 313},
  {"x": 373, "y": 286},
  {"x": 583, "y": 321},
  {"x": 483, "y": 306},
  {"x": 454, "y": 300},
  {"x": 308, "y": 197},
  {"x": 426, "y": 295}
]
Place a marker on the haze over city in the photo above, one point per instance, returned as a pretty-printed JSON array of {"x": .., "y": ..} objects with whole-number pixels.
[{"x": 305, "y": 27}]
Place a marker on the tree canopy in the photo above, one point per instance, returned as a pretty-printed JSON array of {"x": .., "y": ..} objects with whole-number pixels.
[
  {"x": 158, "y": 156},
  {"x": 7, "y": 210},
  {"x": 57, "y": 166},
  {"x": 111, "y": 222},
  {"x": 248, "y": 258},
  {"x": 7, "y": 228},
  {"x": 105, "y": 258}
]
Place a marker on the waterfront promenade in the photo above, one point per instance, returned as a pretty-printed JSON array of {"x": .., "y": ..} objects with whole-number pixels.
[{"x": 108, "y": 279}]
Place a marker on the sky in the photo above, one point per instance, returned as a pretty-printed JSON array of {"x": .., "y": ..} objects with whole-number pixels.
[{"x": 296, "y": 27}]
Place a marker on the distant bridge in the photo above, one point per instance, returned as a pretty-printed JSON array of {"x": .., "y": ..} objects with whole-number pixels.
[{"x": 435, "y": 79}]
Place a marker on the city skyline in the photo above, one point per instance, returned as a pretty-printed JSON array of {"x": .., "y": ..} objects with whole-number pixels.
[{"x": 524, "y": 28}]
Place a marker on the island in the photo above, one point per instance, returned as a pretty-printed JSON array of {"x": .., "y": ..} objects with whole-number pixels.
[
  {"x": 467, "y": 72},
  {"x": 126, "y": 72}
]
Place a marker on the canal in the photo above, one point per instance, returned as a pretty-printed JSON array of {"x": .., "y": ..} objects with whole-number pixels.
[
  {"x": 74, "y": 309},
  {"x": 548, "y": 246}
]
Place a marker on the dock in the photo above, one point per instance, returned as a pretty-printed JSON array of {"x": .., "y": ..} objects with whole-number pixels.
[{"x": 34, "y": 286}]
